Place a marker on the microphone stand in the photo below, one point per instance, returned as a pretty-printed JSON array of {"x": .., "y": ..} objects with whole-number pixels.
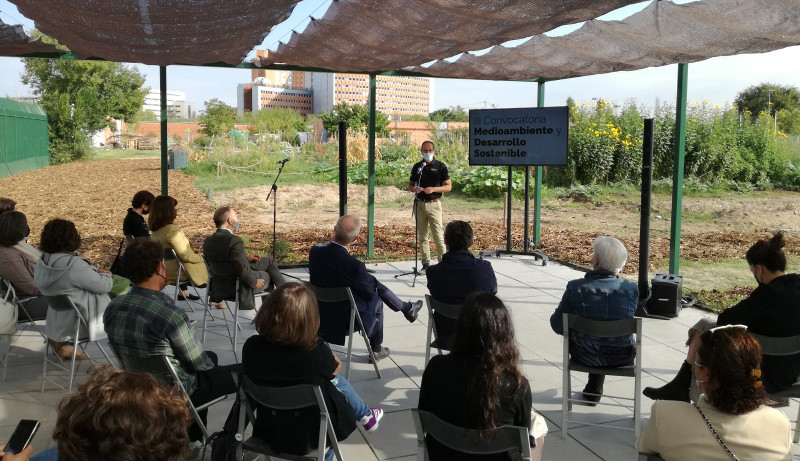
[
  {"x": 415, "y": 271},
  {"x": 274, "y": 193}
]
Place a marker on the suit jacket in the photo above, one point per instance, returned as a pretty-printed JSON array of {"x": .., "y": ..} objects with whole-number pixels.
[
  {"x": 225, "y": 247},
  {"x": 331, "y": 265},
  {"x": 676, "y": 431}
]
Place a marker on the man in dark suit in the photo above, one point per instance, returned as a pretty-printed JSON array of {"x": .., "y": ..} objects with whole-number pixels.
[
  {"x": 456, "y": 276},
  {"x": 256, "y": 273},
  {"x": 331, "y": 265}
]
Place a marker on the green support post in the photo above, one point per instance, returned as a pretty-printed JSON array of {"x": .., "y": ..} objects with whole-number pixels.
[
  {"x": 371, "y": 171},
  {"x": 537, "y": 190},
  {"x": 162, "y": 73},
  {"x": 677, "y": 171}
]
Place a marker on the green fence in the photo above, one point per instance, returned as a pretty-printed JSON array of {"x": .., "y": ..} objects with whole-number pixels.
[{"x": 23, "y": 137}]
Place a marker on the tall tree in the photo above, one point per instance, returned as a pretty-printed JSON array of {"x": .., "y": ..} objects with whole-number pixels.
[
  {"x": 758, "y": 98},
  {"x": 276, "y": 121},
  {"x": 81, "y": 97},
  {"x": 217, "y": 118},
  {"x": 357, "y": 118}
]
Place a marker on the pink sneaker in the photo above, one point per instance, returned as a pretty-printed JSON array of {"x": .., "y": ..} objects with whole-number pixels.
[{"x": 370, "y": 422}]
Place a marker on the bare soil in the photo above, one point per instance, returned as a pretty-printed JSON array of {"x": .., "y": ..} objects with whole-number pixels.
[{"x": 95, "y": 195}]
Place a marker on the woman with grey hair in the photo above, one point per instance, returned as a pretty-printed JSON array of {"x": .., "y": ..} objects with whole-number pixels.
[{"x": 600, "y": 295}]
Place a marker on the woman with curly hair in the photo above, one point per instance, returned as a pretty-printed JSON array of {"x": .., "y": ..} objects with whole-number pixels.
[
  {"x": 770, "y": 310},
  {"x": 479, "y": 385},
  {"x": 60, "y": 272},
  {"x": 728, "y": 421},
  {"x": 121, "y": 415},
  {"x": 161, "y": 220}
]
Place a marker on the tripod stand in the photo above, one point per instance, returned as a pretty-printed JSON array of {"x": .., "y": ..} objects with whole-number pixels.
[
  {"x": 274, "y": 193},
  {"x": 414, "y": 271}
]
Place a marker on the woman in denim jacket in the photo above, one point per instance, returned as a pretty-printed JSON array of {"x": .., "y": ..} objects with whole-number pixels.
[{"x": 600, "y": 295}]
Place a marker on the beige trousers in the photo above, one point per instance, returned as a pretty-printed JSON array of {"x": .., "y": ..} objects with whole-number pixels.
[{"x": 429, "y": 215}]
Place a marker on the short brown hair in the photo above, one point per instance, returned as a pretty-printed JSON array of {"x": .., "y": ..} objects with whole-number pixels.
[
  {"x": 289, "y": 316},
  {"x": 141, "y": 259},
  {"x": 221, "y": 215},
  {"x": 122, "y": 415},
  {"x": 59, "y": 236},
  {"x": 6, "y": 204},
  {"x": 162, "y": 212},
  {"x": 143, "y": 197},
  {"x": 733, "y": 359},
  {"x": 13, "y": 228}
]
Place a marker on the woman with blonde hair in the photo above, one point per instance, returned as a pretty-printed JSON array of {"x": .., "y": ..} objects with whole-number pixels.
[
  {"x": 729, "y": 420},
  {"x": 288, "y": 351}
]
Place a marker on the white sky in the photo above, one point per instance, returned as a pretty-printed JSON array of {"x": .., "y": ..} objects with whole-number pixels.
[{"x": 717, "y": 80}]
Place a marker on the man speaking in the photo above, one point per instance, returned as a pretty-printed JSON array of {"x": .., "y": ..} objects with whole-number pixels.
[{"x": 429, "y": 179}]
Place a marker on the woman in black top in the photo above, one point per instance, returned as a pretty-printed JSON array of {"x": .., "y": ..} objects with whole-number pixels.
[
  {"x": 134, "y": 223},
  {"x": 479, "y": 385},
  {"x": 287, "y": 351},
  {"x": 772, "y": 309}
]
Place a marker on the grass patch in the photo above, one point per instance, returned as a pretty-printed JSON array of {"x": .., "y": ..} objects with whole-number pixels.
[
  {"x": 461, "y": 202},
  {"x": 205, "y": 174},
  {"x": 105, "y": 154},
  {"x": 698, "y": 217}
]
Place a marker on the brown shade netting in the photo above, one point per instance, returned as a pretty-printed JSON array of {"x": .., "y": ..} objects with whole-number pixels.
[
  {"x": 158, "y": 32},
  {"x": 663, "y": 33},
  {"x": 381, "y": 35},
  {"x": 14, "y": 42}
]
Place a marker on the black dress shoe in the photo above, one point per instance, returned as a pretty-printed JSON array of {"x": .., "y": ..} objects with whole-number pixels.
[{"x": 412, "y": 313}]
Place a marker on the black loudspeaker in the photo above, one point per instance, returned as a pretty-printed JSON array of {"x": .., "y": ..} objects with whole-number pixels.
[{"x": 665, "y": 299}]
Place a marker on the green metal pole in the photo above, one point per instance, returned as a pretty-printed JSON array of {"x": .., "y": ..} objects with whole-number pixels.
[
  {"x": 162, "y": 73},
  {"x": 677, "y": 172},
  {"x": 371, "y": 171},
  {"x": 537, "y": 191}
]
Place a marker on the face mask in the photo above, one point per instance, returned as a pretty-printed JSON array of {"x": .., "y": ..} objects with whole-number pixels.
[
  {"x": 756, "y": 277},
  {"x": 427, "y": 157},
  {"x": 165, "y": 277},
  {"x": 236, "y": 227},
  {"x": 146, "y": 211}
]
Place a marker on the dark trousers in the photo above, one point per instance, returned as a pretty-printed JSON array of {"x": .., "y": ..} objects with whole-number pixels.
[
  {"x": 375, "y": 334},
  {"x": 600, "y": 355},
  {"x": 211, "y": 384},
  {"x": 266, "y": 269}
]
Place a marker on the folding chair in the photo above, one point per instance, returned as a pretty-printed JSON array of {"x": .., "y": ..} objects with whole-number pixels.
[
  {"x": 602, "y": 329},
  {"x": 449, "y": 311},
  {"x": 512, "y": 439},
  {"x": 286, "y": 398},
  {"x": 341, "y": 295},
  {"x": 789, "y": 345},
  {"x": 8, "y": 293},
  {"x": 65, "y": 303},
  {"x": 160, "y": 367},
  {"x": 221, "y": 278},
  {"x": 170, "y": 255}
]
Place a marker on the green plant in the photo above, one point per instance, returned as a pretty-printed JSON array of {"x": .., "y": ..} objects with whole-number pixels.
[{"x": 282, "y": 250}]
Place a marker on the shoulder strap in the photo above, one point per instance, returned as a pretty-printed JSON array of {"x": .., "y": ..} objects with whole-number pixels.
[{"x": 711, "y": 428}]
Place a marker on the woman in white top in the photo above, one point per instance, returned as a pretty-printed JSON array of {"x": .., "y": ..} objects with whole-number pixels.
[{"x": 729, "y": 422}]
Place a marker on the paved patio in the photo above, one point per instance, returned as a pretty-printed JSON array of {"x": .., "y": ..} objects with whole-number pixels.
[{"x": 530, "y": 290}]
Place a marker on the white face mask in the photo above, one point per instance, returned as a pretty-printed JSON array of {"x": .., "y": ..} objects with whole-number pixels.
[{"x": 427, "y": 157}]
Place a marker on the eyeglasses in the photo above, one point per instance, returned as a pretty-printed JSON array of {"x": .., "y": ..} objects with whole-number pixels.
[
  {"x": 699, "y": 365},
  {"x": 725, "y": 327}
]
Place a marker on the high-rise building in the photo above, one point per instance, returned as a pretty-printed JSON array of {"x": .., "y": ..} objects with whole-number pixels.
[
  {"x": 395, "y": 95},
  {"x": 261, "y": 94},
  {"x": 177, "y": 107}
]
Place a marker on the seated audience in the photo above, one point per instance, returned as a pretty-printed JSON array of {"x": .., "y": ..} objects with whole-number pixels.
[
  {"x": 60, "y": 272},
  {"x": 599, "y": 295},
  {"x": 478, "y": 386},
  {"x": 161, "y": 219},
  {"x": 770, "y": 310},
  {"x": 6, "y": 204},
  {"x": 457, "y": 275},
  {"x": 122, "y": 416},
  {"x": 728, "y": 421},
  {"x": 18, "y": 260},
  {"x": 256, "y": 273},
  {"x": 146, "y": 322},
  {"x": 134, "y": 223},
  {"x": 331, "y": 265},
  {"x": 286, "y": 352}
]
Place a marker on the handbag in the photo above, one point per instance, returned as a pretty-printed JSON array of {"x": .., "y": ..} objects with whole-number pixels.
[
  {"x": 8, "y": 313},
  {"x": 116, "y": 266}
]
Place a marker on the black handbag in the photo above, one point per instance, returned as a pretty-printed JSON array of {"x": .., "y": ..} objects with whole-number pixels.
[{"x": 117, "y": 266}]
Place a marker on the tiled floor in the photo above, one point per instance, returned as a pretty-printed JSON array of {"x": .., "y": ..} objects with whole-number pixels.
[{"x": 532, "y": 293}]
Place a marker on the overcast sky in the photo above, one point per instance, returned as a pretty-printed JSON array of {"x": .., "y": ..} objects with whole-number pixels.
[{"x": 717, "y": 79}]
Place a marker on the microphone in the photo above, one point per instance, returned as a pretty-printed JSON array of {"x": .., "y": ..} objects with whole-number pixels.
[{"x": 282, "y": 161}]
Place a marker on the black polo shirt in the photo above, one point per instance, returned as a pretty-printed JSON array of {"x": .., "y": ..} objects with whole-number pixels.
[{"x": 434, "y": 174}]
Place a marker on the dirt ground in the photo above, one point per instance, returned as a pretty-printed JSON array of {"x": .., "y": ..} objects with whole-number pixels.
[{"x": 95, "y": 195}]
